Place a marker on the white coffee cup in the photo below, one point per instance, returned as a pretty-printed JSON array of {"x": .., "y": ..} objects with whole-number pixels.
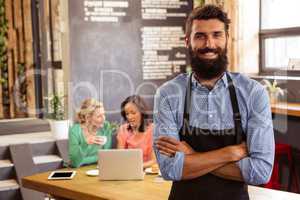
[{"x": 103, "y": 139}]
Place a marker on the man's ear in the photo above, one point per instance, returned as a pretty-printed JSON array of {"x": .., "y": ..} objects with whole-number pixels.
[{"x": 187, "y": 41}]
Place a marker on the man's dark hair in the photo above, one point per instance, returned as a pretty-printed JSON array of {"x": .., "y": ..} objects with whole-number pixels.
[
  {"x": 142, "y": 107},
  {"x": 205, "y": 13}
]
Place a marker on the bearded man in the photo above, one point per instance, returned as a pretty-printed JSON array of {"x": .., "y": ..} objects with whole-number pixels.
[{"x": 213, "y": 129}]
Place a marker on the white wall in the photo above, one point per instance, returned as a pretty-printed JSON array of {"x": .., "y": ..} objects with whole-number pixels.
[{"x": 248, "y": 43}]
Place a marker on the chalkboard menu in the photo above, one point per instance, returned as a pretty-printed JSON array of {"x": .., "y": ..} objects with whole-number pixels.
[{"x": 124, "y": 47}]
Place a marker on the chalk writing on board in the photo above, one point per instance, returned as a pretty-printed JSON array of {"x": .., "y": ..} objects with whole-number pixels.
[
  {"x": 162, "y": 9},
  {"x": 157, "y": 39},
  {"x": 104, "y": 11}
]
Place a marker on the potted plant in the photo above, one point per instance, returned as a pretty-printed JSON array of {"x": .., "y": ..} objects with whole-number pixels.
[
  {"x": 56, "y": 115},
  {"x": 274, "y": 90}
]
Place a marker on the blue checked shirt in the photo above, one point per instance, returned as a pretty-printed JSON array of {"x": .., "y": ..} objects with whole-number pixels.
[{"x": 211, "y": 109}]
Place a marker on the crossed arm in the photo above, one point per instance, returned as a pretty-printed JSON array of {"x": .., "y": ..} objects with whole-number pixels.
[
  {"x": 220, "y": 162},
  {"x": 256, "y": 167}
]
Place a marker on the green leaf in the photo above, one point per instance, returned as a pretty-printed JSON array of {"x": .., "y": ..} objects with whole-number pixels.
[
  {"x": 2, "y": 80},
  {"x": 56, "y": 107}
]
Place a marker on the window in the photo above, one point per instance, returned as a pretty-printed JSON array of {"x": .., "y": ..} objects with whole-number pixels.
[{"x": 279, "y": 36}]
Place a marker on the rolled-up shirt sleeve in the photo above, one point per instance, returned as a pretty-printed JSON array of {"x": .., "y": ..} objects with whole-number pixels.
[
  {"x": 165, "y": 124},
  {"x": 257, "y": 167}
]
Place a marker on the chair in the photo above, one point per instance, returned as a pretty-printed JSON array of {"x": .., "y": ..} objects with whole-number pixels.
[{"x": 283, "y": 151}]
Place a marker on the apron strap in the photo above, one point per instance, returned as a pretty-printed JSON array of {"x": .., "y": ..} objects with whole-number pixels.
[
  {"x": 187, "y": 102},
  {"x": 236, "y": 111},
  {"x": 187, "y": 107}
]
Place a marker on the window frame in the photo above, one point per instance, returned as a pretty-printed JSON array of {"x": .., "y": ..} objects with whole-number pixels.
[{"x": 273, "y": 33}]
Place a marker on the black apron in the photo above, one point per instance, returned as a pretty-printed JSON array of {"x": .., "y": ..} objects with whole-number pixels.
[{"x": 210, "y": 187}]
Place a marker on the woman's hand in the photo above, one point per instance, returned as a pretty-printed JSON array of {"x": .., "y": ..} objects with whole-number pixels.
[
  {"x": 169, "y": 146},
  {"x": 94, "y": 139}
]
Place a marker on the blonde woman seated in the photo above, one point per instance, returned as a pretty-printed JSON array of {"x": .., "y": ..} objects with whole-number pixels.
[
  {"x": 137, "y": 131},
  {"x": 90, "y": 133}
]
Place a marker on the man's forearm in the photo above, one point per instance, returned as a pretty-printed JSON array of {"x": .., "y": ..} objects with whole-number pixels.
[
  {"x": 198, "y": 164},
  {"x": 229, "y": 171}
]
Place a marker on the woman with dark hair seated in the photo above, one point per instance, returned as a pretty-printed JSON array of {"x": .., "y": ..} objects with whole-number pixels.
[{"x": 136, "y": 133}]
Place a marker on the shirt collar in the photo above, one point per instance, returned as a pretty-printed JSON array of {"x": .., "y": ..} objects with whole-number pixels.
[{"x": 223, "y": 80}]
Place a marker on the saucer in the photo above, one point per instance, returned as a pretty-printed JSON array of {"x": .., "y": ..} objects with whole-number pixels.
[
  {"x": 149, "y": 171},
  {"x": 92, "y": 172}
]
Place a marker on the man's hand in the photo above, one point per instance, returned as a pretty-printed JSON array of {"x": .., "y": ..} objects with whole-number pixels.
[
  {"x": 169, "y": 146},
  {"x": 231, "y": 171},
  {"x": 237, "y": 151}
]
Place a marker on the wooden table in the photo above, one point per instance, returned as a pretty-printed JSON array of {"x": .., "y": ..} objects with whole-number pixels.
[
  {"x": 83, "y": 187},
  {"x": 286, "y": 108}
]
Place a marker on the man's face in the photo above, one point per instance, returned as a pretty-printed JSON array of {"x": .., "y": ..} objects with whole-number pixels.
[{"x": 208, "y": 48}]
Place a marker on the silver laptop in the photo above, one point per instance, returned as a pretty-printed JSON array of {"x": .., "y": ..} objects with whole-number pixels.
[{"x": 120, "y": 164}]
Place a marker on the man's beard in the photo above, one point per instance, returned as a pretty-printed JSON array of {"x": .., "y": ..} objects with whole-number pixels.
[{"x": 208, "y": 68}]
